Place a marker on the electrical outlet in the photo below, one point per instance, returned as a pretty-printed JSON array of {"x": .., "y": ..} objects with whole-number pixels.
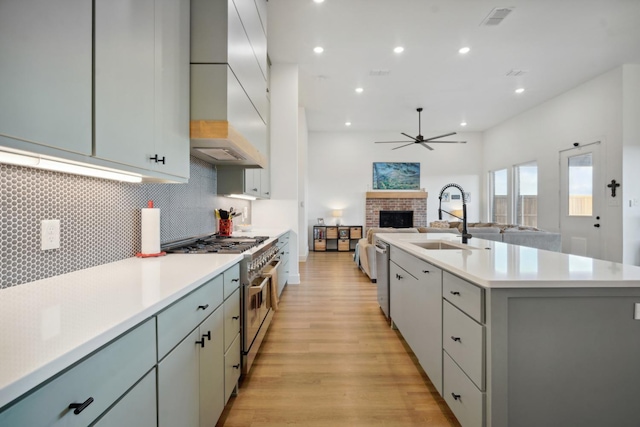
[{"x": 50, "y": 234}]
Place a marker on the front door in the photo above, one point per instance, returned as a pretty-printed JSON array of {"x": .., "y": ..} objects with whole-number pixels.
[{"x": 581, "y": 200}]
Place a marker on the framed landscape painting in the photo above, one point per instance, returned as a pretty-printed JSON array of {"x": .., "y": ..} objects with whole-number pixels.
[{"x": 396, "y": 176}]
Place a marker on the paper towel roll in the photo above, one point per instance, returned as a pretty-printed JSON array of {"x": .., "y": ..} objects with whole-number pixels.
[{"x": 150, "y": 231}]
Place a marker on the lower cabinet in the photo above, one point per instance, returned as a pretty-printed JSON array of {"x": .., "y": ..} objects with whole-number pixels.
[
  {"x": 211, "y": 374},
  {"x": 231, "y": 368}
]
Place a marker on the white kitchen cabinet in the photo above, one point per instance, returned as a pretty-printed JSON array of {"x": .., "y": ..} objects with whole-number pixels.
[
  {"x": 232, "y": 368},
  {"x": 142, "y": 84},
  {"x": 416, "y": 309},
  {"x": 283, "y": 270},
  {"x": 92, "y": 386},
  {"x": 231, "y": 318},
  {"x": 45, "y": 75},
  {"x": 247, "y": 181},
  {"x": 137, "y": 408},
  {"x": 211, "y": 369}
]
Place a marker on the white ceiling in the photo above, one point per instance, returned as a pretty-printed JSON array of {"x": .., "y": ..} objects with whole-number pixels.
[{"x": 559, "y": 43}]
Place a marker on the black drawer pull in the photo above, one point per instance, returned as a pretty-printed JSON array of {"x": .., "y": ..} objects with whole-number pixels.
[
  {"x": 426, "y": 271},
  {"x": 201, "y": 342},
  {"x": 203, "y": 307},
  {"x": 157, "y": 159},
  {"x": 399, "y": 277},
  {"x": 454, "y": 292},
  {"x": 235, "y": 317},
  {"x": 208, "y": 335},
  {"x": 236, "y": 366},
  {"x": 79, "y": 407},
  {"x": 235, "y": 280},
  {"x": 455, "y": 396},
  {"x": 456, "y": 339}
]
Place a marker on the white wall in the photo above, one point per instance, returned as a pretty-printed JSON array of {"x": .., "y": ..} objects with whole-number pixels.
[
  {"x": 303, "y": 183},
  {"x": 590, "y": 112},
  {"x": 282, "y": 209},
  {"x": 340, "y": 172},
  {"x": 630, "y": 191}
]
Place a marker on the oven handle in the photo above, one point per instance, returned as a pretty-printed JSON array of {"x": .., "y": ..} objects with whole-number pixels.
[{"x": 253, "y": 290}]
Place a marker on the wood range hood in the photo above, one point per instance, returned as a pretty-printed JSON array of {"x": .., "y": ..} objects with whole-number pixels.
[{"x": 218, "y": 142}]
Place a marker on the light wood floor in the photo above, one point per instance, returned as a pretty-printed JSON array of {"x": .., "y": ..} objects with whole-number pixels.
[{"x": 330, "y": 359}]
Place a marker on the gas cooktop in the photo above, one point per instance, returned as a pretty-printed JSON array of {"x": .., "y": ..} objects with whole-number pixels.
[{"x": 215, "y": 244}]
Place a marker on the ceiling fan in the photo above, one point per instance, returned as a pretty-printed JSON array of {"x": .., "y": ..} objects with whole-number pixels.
[{"x": 421, "y": 139}]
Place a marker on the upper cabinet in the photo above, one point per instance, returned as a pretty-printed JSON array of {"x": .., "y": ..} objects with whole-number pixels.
[
  {"x": 45, "y": 75},
  {"x": 142, "y": 84},
  {"x": 229, "y": 33},
  {"x": 105, "y": 83}
]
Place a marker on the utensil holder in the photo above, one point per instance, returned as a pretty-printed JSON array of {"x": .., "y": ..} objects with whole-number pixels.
[{"x": 225, "y": 227}]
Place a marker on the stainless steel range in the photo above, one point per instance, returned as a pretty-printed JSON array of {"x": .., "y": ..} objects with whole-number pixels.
[{"x": 259, "y": 253}]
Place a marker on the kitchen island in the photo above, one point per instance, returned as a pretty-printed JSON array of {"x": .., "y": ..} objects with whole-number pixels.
[
  {"x": 516, "y": 336},
  {"x": 119, "y": 324}
]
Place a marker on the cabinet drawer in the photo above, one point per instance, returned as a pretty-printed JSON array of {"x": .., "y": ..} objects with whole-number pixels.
[
  {"x": 104, "y": 376},
  {"x": 463, "y": 339},
  {"x": 343, "y": 245},
  {"x": 175, "y": 322},
  {"x": 319, "y": 245},
  {"x": 231, "y": 318},
  {"x": 231, "y": 368},
  {"x": 332, "y": 232},
  {"x": 467, "y": 297},
  {"x": 414, "y": 266},
  {"x": 137, "y": 408},
  {"x": 231, "y": 280},
  {"x": 464, "y": 399},
  {"x": 355, "y": 233}
]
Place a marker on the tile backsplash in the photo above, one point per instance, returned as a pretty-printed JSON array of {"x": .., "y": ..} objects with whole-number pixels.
[{"x": 99, "y": 219}]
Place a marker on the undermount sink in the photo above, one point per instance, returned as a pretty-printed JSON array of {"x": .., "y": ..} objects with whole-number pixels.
[{"x": 440, "y": 245}]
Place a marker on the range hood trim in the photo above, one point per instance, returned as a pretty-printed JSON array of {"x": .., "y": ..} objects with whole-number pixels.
[{"x": 221, "y": 134}]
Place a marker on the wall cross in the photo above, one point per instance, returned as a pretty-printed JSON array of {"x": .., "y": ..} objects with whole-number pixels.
[{"x": 613, "y": 187}]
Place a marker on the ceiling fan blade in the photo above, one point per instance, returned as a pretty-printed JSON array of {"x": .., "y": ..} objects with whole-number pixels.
[
  {"x": 387, "y": 142},
  {"x": 447, "y": 142},
  {"x": 441, "y": 136},
  {"x": 409, "y": 136},
  {"x": 426, "y": 146},
  {"x": 411, "y": 143}
]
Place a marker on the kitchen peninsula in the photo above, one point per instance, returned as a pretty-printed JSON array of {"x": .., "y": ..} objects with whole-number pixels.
[{"x": 516, "y": 336}]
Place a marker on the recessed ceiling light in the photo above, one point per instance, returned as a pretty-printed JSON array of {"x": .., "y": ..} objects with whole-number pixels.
[
  {"x": 398, "y": 49},
  {"x": 520, "y": 90},
  {"x": 318, "y": 1},
  {"x": 359, "y": 90},
  {"x": 463, "y": 124},
  {"x": 347, "y": 124},
  {"x": 318, "y": 49},
  {"x": 464, "y": 50}
]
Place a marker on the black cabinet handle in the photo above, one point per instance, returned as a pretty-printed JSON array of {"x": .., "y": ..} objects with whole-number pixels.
[
  {"x": 157, "y": 159},
  {"x": 79, "y": 407},
  {"x": 254, "y": 189},
  {"x": 203, "y": 307},
  {"x": 208, "y": 335},
  {"x": 426, "y": 271},
  {"x": 236, "y": 366},
  {"x": 201, "y": 342},
  {"x": 596, "y": 225},
  {"x": 235, "y": 317},
  {"x": 398, "y": 276},
  {"x": 454, "y": 292},
  {"x": 455, "y": 396},
  {"x": 235, "y": 280},
  {"x": 456, "y": 339}
]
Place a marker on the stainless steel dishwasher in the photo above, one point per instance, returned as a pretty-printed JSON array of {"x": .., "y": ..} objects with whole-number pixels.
[{"x": 382, "y": 274}]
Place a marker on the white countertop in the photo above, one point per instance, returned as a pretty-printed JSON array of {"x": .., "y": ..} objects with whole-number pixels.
[
  {"x": 503, "y": 265},
  {"x": 49, "y": 324}
]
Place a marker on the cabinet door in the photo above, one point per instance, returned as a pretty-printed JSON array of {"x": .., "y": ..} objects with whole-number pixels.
[
  {"x": 137, "y": 408},
  {"x": 231, "y": 318},
  {"x": 265, "y": 183},
  {"x": 252, "y": 182},
  {"x": 231, "y": 368},
  {"x": 45, "y": 73},
  {"x": 397, "y": 293},
  {"x": 124, "y": 81},
  {"x": 179, "y": 384},
  {"x": 171, "y": 134},
  {"x": 212, "y": 369}
]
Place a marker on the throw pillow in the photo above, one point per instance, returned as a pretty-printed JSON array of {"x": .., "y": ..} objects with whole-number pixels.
[{"x": 439, "y": 224}]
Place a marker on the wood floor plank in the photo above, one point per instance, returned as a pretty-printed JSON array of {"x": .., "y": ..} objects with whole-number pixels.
[{"x": 330, "y": 359}]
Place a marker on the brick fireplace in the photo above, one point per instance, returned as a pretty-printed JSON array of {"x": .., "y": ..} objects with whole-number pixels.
[{"x": 377, "y": 201}]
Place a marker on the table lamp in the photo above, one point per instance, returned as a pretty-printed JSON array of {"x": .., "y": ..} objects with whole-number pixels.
[{"x": 337, "y": 214}]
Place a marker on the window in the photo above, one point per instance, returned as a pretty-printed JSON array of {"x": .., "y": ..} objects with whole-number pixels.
[
  {"x": 526, "y": 194},
  {"x": 581, "y": 185},
  {"x": 499, "y": 196}
]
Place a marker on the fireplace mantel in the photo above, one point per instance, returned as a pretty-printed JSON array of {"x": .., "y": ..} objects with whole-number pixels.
[{"x": 396, "y": 194}]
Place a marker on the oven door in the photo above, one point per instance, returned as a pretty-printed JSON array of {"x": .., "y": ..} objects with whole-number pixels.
[{"x": 257, "y": 307}]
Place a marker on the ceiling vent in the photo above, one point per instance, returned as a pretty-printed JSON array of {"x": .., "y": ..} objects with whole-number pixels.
[
  {"x": 496, "y": 16},
  {"x": 379, "y": 73},
  {"x": 516, "y": 73}
]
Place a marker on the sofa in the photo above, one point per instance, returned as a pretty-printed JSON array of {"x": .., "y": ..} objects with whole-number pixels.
[{"x": 532, "y": 237}]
